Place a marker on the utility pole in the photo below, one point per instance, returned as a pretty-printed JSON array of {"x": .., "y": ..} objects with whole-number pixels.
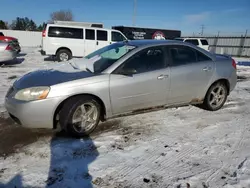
[
  {"x": 134, "y": 15},
  {"x": 202, "y": 29}
]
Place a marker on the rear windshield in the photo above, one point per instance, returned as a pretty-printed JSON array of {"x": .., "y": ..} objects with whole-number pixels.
[
  {"x": 179, "y": 39},
  {"x": 192, "y": 41},
  {"x": 204, "y": 42},
  {"x": 65, "y": 32}
]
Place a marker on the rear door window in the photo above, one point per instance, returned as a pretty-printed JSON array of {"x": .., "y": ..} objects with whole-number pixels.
[
  {"x": 202, "y": 57},
  {"x": 102, "y": 35},
  {"x": 192, "y": 41},
  {"x": 90, "y": 34},
  {"x": 179, "y": 39},
  {"x": 182, "y": 55},
  {"x": 65, "y": 32},
  {"x": 116, "y": 36},
  {"x": 204, "y": 42}
]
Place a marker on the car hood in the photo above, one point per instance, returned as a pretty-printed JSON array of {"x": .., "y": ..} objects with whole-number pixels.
[{"x": 56, "y": 74}]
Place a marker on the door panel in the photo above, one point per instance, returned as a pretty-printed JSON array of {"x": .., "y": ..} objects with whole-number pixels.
[
  {"x": 189, "y": 82},
  {"x": 190, "y": 79},
  {"x": 139, "y": 91},
  {"x": 140, "y": 82}
]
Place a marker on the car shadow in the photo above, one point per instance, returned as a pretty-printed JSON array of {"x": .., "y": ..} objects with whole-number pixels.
[
  {"x": 21, "y": 54},
  {"x": 11, "y": 63},
  {"x": 69, "y": 161},
  {"x": 50, "y": 58},
  {"x": 14, "y": 182}
]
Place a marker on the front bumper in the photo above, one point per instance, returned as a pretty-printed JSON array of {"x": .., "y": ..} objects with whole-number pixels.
[{"x": 33, "y": 114}]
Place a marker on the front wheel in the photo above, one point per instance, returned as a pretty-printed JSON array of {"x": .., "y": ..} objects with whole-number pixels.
[
  {"x": 216, "y": 96},
  {"x": 80, "y": 116}
]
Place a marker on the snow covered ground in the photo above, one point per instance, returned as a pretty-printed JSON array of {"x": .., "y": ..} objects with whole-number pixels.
[{"x": 180, "y": 147}]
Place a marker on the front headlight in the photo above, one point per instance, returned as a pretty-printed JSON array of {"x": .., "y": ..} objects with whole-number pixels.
[{"x": 33, "y": 93}]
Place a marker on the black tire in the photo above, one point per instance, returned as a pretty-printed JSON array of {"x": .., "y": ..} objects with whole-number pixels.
[
  {"x": 207, "y": 105},
  {"x": 68, "y": 110},
  {"x": 63, "y": 51}
]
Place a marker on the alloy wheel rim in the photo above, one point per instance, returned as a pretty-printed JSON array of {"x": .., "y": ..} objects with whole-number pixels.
[
  {"x": 64, "y": 57},
  {"x": 84, "y": 117},
  {"x": 217, "y": 96}
]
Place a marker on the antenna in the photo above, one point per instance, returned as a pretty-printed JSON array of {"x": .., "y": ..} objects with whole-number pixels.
[
  {"x": 202, "y": 29},
  {"x": 134, "y": 15}
]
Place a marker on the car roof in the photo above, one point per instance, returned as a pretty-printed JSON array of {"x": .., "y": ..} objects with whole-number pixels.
[
  {"x": 190, "y": 38},
  {"x": 76, "y": 26},
  {"x": 151, "y": 42}
]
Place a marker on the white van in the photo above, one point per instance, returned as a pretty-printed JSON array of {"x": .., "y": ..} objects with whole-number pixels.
[
  {"x": 65, "y": 41},
  {"x": 200, "y": 42}
]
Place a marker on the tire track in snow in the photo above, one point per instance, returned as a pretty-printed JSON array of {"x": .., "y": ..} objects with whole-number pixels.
[
  {"x": 215, "y": 176},
  {"x": 167, "y": 162}
]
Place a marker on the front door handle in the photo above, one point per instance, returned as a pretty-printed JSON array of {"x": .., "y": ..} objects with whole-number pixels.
[
  {"x": 161, "y": 77},
  {"x": 97, "y": 43},
  {"x": 207, "y": 69}
]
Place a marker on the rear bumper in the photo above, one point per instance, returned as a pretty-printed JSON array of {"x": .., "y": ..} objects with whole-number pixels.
[
  {"x": 233, "y": 81},
  {"x": 8, "y": 56}
]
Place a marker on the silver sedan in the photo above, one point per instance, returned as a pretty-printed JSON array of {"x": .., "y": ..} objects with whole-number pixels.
[
  {"x": 121, "y": 79},
  {"x": 7, "y": 52}
]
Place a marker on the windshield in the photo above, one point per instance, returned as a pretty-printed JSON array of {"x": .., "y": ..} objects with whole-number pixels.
[{"x": 107, "y": 56}]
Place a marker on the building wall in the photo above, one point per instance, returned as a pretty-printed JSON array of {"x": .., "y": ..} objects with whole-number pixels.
[{"x": 25, "y": 38}]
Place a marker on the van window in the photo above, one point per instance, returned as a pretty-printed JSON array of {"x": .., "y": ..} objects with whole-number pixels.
[
  {"x": 102, "y": 35},
  {"x": 65, "y": 32},
  {"x": 204, "y": 42},
  {"x": 116, "y": 36},
  {"x": 90, "y": 34},
  {"x": 192, "y": 41}
]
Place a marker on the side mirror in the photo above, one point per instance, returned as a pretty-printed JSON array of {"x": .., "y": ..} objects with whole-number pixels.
[{"x": 128, "y": 72}]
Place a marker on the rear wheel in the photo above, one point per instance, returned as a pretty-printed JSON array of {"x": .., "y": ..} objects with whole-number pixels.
[
  {"x": 63, "y": 55},
  {"x": 216, "y": 96},
  {"x": 80, "y": 116}
]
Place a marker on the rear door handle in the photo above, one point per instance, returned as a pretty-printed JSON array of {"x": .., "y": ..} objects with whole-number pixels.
[
  {"x": 161, "y": 77},
  {"x": 207, "y": 69},
  {"x": 97, "y": 43}
]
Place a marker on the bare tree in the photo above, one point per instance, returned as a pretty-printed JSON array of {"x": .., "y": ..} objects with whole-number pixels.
[{"x": 61, "y": 15}]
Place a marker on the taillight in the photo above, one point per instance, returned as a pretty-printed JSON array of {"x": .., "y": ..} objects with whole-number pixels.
[
  {"x": 44, "y": 33},
  {"x": 233, "y": 63},
  {"x": 9, "y": 48}
]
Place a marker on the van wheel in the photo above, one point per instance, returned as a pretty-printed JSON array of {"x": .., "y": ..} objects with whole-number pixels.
[
  {"x": 216, "y": 96},
  {"x": 63, "y": 55},
  {"x": 80, "y": 116}
]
